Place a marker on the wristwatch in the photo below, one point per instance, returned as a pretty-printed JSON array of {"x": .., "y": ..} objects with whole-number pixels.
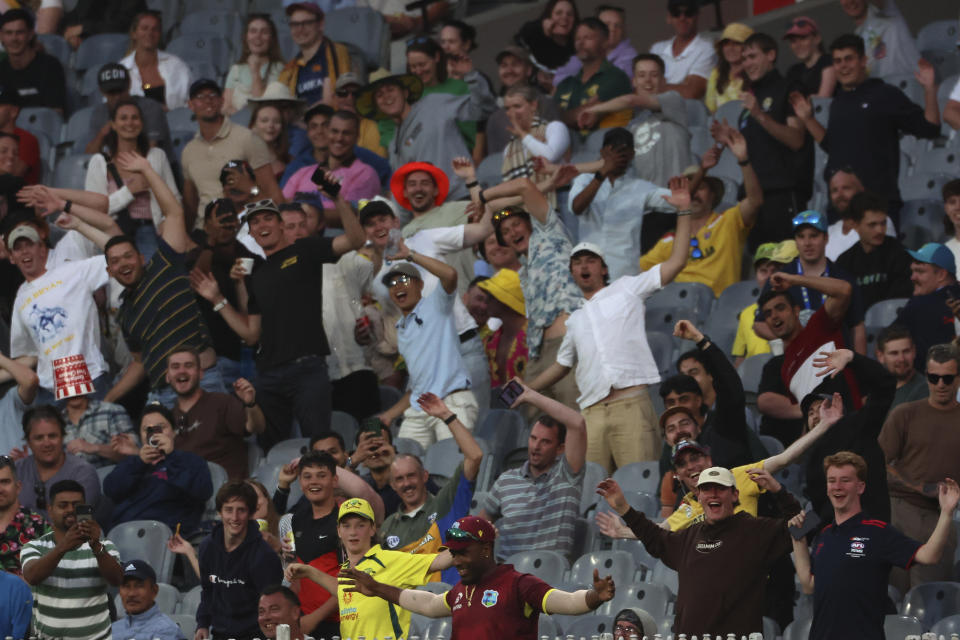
[{"x": 219, "y": 305}]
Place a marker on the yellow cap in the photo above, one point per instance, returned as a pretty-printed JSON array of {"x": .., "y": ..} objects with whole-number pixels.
[
  {"x": 505, "y": 287},
  {"x": 358, "y": 507},
  {"x": 736, "y": 32},
  {"x": 786, "y": 252}
]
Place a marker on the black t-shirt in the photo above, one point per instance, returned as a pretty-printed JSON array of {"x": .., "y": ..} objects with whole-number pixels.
[
  {"x": 40, "y": 84},
  {"x": 285, "y": 290},
  {"x": 930, "y": 321},
  {"x": 882, "y": 274},
  {"x": 777, "y": 166},
  {"x": 545, "y": 51},
  {"x": 864, "y": 133},
  {"x": 783, "y": 429},
  {"x": 806, "y": 79}
]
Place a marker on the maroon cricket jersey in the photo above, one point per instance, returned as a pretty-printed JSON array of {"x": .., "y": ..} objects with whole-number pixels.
[{"x": 504, "y": 604}]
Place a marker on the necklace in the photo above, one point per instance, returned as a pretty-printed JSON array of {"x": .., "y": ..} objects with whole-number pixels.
[{"x": 470, "y": 591}]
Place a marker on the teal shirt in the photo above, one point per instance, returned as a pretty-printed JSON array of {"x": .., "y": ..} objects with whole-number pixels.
[{"x": 607, "y": 83}]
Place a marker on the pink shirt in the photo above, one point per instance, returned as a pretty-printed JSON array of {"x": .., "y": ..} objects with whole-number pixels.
[{"x": 358, "y": 181}]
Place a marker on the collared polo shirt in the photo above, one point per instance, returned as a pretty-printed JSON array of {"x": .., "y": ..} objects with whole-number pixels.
[
  {"x": 851, "y": 564},
  {"x": 606, "y": 84},
  {"x": 152, "y": 624}
]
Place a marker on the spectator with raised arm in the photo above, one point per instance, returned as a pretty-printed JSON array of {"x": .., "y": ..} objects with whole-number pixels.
[
  {"x": 539, "y": 502},
  {"x": 16, "y": 400},
  {"x": 951, "y": 113},
  {"x": 531, "y": 136}
]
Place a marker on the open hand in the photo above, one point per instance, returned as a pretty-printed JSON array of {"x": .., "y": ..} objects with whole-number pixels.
[
  {"x": 801, "y": 104},
  {"x": 463, "y": 168},
  {"x": 433, "y": 405},
  {"x": 613, "y": 494},
  {"x": 354, "y": 581},
  {"x": 612, "y": 526},
  {"x": 925, "y": 74},
  {"x": 832, "y": 362},
  {"x": 679, "y": 193},
  {"x": 205, "y": 285},
  {"x": 133, "y": 162}
]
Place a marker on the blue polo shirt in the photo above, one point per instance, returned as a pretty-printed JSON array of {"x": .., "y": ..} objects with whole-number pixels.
[
  {"x": 152, "y": 624},
  {"x": 429, "y": 343},
  {"x": 851, "y": 563},
  {"x": 311, "y": 75}
]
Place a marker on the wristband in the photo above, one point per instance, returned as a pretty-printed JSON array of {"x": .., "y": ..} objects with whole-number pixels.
[
  {"x": 685, "y": 212},
  {"x": 743, "y": 163},
  {"x": 480, "y": 197},
  {"x": 219, "y": 305},
  {"x": 471, "y": 185},
  {"x": 250, "y": 405},
  {"x": 410, "y": 257},
  {"x": 598, "y": 176},
  {"x": 704, "y": 341},
  {"x": 450, "y": 418},
  {"x": 68, "y": 206}
]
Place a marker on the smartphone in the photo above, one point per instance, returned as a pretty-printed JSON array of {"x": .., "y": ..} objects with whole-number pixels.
[
  {"x": 810, "y": 522},
  {"x": 152, "y": 433},
  {"x": 952, "y": 291},
  {"x": 372, "y": 425},
  {"x": 510, "y": 392},
  {"x": 84, "y": 512},
  {"x": 318, "y": 178}
]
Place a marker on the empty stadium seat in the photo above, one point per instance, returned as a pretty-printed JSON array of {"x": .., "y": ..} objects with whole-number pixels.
[
  {"x": 442, "y": 458},
  {"x": 751, "y": 370},
  {"x": 218, "y": 477},
  {"x": 242, "y": 117},
  {"x": 389, "y": 396},
  {"x": 618, "y": 564},
  {"x": 99, "y": 49},
  {"x": 641, "y": 557},
  {"x": 660, "y": 315},
  {"x": 346, "y": 425},
  {"x": 662, "y": 574},
  {"x": 187, "y": 624},
  {"x": 884, "y": 313},
  {"x": 946, "y": 62},
  {"x": 190, "y": 601},
  {"x": 895, "y": 626},
  {"x": 439, "y": 628},
  {"x": 923, "y": 186},
  {"x": 593, "y": 473},
  {"x": 924, "y": 213},
  {"x": 254, "y": 457},
  {"x": 651, "y": 597},
  {"x": 364, "y": 28},
  {"x": 181, "y": 119},
  {"x": 549, "y": 566},
  {"x": 42, "y": 119},
  {"x": 225, "y": 23},
  {"x": 941, "y": 34},
  {"x": 587, "y": 626},
  {"x": 799, "y": 629},
  {"x": 700, "y": 141},
  {"x": 409, "y": 446},
  {"x": 730, "y": 111},
  {"x": 505, "y": 429},
  {"x": 646, "y": 503},
  {"x": 594, "y": 141},
  {"x": 907, "y": 83},
  {"x": 939, "y": 160},
  {"x": 931, "y": 602},
  {"x": 167, "y": 598},
  {"x": 78, "y": 132},
  {"x": 547, "y": 626},
  {"x": 286, "y": 450},
  {"x": 639, "y": 476},
  {"x": 180, "y": 138},
  {"x": 56, "y": 46},
  {"x": 771, "y": 444},
  {"x": 195, "y": 46},
  {"x": 722, "y": 329},
  {"x": 661, "y": 345},
  {"x": 736, "y": 297},
  {"x": 145, "y": 540},
  {"x": 697, "y": 113},
  {"x": 489, "y": 172},
  {"x": 71, "y": 171},
  {"x": 821, "y": 109}
]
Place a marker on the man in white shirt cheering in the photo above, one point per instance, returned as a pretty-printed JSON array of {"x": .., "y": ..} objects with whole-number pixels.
[{"x": 689, "y": 57}]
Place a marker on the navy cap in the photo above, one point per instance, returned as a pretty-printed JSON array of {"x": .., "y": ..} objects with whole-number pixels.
[
  {"x": 203, "y": 84},
  {"x": 138, "y": 569}
]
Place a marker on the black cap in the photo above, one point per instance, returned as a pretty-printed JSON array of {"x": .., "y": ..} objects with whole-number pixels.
[
  {"x": 375, "y": 208},
  {"x": 113, "y": 77},
  {"x": 12, "y": 15},
  {"x": 202, "y": 85},
  {"x": 9, "y": 95},
  {"x": 138, "y": 569}
]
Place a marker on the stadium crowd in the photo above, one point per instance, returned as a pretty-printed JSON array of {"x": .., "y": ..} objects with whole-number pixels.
[{"x": 634, "y": 338}]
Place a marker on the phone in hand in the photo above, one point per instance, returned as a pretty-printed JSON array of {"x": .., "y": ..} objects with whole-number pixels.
[
  {"x": 810, "y": 522},
  {"x": 372, "y": 425},
  {"x": 152, "y": 432},
  {"x": 319, "y": 178},
  {"x": 510, "y": 392},
  {"x": 84, "y": 512}
]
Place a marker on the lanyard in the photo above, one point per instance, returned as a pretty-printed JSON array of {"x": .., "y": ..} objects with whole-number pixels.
[{"x": 803, "y": 290}]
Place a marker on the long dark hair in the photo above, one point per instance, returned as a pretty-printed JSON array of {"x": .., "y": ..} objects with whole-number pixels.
[
  {"x": 430, "y": 48},
  {"x": 273, "y": 53},
  {"x": 111, "y": 140},
  {"x": 548, "y": 9}
]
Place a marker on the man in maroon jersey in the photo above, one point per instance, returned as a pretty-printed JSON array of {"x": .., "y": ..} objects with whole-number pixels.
[{"x": 492, "y": 601}]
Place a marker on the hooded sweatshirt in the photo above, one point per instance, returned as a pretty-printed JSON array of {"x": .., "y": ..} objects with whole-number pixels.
[{"x": 232, "y": 582}]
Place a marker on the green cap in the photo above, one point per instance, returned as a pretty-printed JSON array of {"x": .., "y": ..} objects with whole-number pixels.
[{"x": 764, "y": 252}]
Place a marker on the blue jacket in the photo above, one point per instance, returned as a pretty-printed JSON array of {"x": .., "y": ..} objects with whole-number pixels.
[
  {"x": 175, "y": 490},
  {"x": 16, "y": 606},
  {"x": 152, "y": 624},
  {"x": 232, "y": 582}
]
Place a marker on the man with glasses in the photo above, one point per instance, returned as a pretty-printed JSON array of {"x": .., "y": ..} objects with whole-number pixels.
[
  {"x": 716, "y": 239},
  {"x": 313, "y": 73},
  {"x": 218, "y": 141},
  {"x": 345, "y": 99},
  {"x": 293, "y": 379},
  {"x": 18, "y": 524},
  {"x": 35, "y": 75},
  {"x": 689, "y": 57},
  {"x": 919, "y": 440},
  {"x": 70, "y": 569}
]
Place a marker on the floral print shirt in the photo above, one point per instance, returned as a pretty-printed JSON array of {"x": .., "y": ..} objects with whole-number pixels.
[{"x": 26, "y": 525}]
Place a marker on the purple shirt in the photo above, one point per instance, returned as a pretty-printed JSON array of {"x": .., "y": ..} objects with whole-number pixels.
[
  {"x": 621, "y": 57},
  {"x": 358, "y": 181}
]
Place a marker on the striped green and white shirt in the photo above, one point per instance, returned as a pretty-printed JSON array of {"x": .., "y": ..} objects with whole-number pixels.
[{"x": 72, "y": 601}]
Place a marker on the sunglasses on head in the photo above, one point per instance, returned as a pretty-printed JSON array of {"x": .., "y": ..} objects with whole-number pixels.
[
  {"x": 418, "y": 40},
  {"x": 935, "y": 378},
  {"x": 460, "y": 534},
  {"x": 687, "y": 12},
  {"x": 394, "y": 281}
]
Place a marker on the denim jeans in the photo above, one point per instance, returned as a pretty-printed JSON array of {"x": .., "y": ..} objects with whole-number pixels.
[
  {"x": 146, "y": 239},
  {"x": 299, "y": 389},
  {"x": 211, "y": 381}
]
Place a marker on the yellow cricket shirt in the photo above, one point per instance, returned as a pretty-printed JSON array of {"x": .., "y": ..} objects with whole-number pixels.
[
  {"x": 721, "y": 242},
  {"x": 748, "y": 343},
  {"x": 373, "y": 617},
  {"x": 690, "y": 511}
]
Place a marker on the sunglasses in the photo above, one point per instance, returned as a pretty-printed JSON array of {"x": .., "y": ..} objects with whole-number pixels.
[
  {"x": 807, "y": 218},
  {"x": 935, "y": 378},
  {"x": 392, "y": 282},
  {"x": 687, "y": 12},
  {"x": 503, "y": 214},
  {"x": 696, "y": 254},
  {"x": 418, "y": 40},
  {"x": 40, "y": 492},
  {"x": 460, "y": 534},
  {"x": 343, "y": 93}
]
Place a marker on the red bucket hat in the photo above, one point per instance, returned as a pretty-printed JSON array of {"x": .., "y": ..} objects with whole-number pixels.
[{"x": 400, "y": 177}]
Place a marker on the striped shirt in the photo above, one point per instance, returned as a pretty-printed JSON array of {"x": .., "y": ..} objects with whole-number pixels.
[
  {"x": 538, "y": 513},
  {"x": 160, "y": 313},
  {"x": 72, "y": 601}
]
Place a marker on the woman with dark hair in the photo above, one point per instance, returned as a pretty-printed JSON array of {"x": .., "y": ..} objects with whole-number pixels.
[
  {"x": 457, "y": 39},
  {"x": 155, "y": 74},
  {"x": 260, "y": 63},
  {"x": 131, "y": 203},
  {"x": 550, "y": 38},
  {"x": 726, "y": 80}
]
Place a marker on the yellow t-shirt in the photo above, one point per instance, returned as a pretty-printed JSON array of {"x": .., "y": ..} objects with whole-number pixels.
[
  {"x": 376, "y": 618},
  {"x": 690, "y": 512},
  {"x": 721, "y": 242},
  {"x": 748, "y": 343},
  {"x": 714, "y": 100}
]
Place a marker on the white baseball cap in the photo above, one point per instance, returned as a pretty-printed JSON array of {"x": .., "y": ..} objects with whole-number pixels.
[
  {"x": 716, "y": 475},
  {"x": 23, "y": 231},
  {"x": 588, "y": 246}
]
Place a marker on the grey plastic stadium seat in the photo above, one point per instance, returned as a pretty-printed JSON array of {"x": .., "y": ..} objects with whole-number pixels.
[
  {"x": 588, "y": 626},
  {"x": 641, "y": 557},
  {"x": 218, "y": 478},
  {"x": 821, "y": 109},
  {"x": 267, "y": 474},
  {"x": 907, "y": 83},
  {"x": 947, "y": 626},
  {"x": 736, "y": 297},
  {"x": 71, "y": 171},
  {"x": 939, "y": 160},
  {"x": 42, "y": 119},
  {"x": 363, "y": 28},
  {"x": 660, "y": 315},
  {"x": 722, "y": 329},
  {"x": 389, "y": 396},
  {"x": 547, "y": 626},
  {"x": 286, "y": 450},
  {"x": 651, "y": 597},
  {"x": 594, "y": 141},
  {"x": 99, "y": 49},
  {"x": 489, "y": 172},
  {"x": 187, "y": 624},
  {"x": 922, "y": 213},
  {"x": 799, "y": 629},
  {"x": 225, "y": 23},
  {"x": 242, "y": 117},
  {"x": 549, "y": 566},
  {"x": 505, "y": 429},
  {"x": 254, "y": 457},
  {"x": 697, "y": 292},
  {"x": 923, "y": 186},
  {"x": 662, "y": 574},
  {"x": 946, "y": 62},
  {"x": 639, "y": 476},
  {"x": 56, "y": 46},
  {"x": 931, "y": 602},
  {"x": 442, "y": 458},
  {"x": 346, "y": 425},
  {"x": 103, "y": 472},
  {"x": 181, "y": 119},
  {"x": 771, "y": 444},
  {"x": 167, "y": 598},
  {"x": 729, "y": 111},
  {"x": 618, "y": 564},
  {"x": 196, "y": 46},
  {"x": 751, "y": 370},
  {"x": 697, "y": 113},
  {"x": 700, "y": 141},
  {"x": 941, "y": 34},
  {"x": 180, "y": 138},
  {"x": 409, "y": 446},
  {"x": 235, "y": 6},
  {"x": 895, "y": 626},
  {"x": 145, "y": 540},
  {"x": 914, "y": 236},
  {"x": 884, "y": 313},
  {"x": 439, "y": 628},
  {"x": 190, "y": 601},
  {"x": 593, "y": 473},
  {"x": 661, "y": 345},
  {"x": 78, "y": 131}
]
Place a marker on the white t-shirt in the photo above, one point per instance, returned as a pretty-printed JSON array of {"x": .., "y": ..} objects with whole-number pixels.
[
  {"x": 838, "y": 241},
  {"x": 54, "y": 316},
  {"x": 955, "y": 94},
  {"x": 607, "y": 341},
  {"x": 434, "y": 243},
  {"x": 697, "y": 59}
]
